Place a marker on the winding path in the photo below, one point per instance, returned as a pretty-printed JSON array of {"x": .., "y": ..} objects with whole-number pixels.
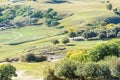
[{"x": 19, "y": 36}]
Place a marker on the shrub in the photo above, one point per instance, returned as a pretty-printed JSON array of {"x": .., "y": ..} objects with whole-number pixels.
[
  {"x": 111, "y": 34},
  {"x": 72, "y": 34},
  {"x": 40, "y": 58},
  {"x": 66, "y": 70},
  {"x": 49, "y": 74},
  {"x": 102, "y": 35},
  {"x": 115, "y": 68},
  {"x": 33, "y": 58},
  {"x": 54, "y": 22},
  {"x": 30, "y": 57},
  {"x": 118, "y": 35},
  {"x": 109, "y": 6},
  {"x": 103, "y": 50},
  {"x": 49, "y": 10},
  {"x": 78, "y": 55},
  {"x": 7, "y": 71},
  {"x": 65, "y": 41},
  {"x": 55, "y": 42},
  {"x": 89, "y": 34}
]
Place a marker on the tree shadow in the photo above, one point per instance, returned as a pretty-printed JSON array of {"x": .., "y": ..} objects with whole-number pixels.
[{"x": 70, "y": 44}]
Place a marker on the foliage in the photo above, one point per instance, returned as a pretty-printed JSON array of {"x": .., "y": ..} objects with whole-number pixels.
[
  {"x": 7, "y": 71},
  {"x": 118, "y": 35},
  {"x": 110, "y": 26},
  {"x": 92, "y": 70},
  {"x": 65, "y": 40},
  {"x": 55, "y": 41},
  {"x": 102, "y": 35},
  {"x": 72, "y": 34},
  {"x": 103, "y": 50},
  {"x": 51, "y": 17},
  {"x": 109, "y": 6},
  {"x": 33, "y": 58},
  {"x": 29, "y": 57},
  {"x": 89, "y": 34},
  {"x": 111, "y": 34},
  {"x": 115, "y": 68},
  {"x": 49, "y": 74},
  {"x": 78, "y": 55},
  {"x": 66, "y": 70}
]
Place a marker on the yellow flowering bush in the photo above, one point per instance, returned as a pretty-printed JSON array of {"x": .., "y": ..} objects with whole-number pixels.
[{"x": 79, "y": 55}]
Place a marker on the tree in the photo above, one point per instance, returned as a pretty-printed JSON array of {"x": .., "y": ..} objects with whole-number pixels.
[
  {"x": 66, "y": 70},
  {"x": 89, "y": 34},
  {"x": 102, "y": 35},
  {"x": 65, "y": 41},
  {"x": 115, "y": 68},
  {"x": 111, "y": 34},
  {"x": 118, "y": 35},
  {"x": 49, "y": 10},
  {"x": 55, "y": 41},
  {"x": 30, "y": 57},
  {"x": 92, "y": 70},
  {"x": 7, "y": 71},
  {"x": 109, "y": 6},
  {"x": 103, "y": 50},
  {"x": 72, "y": 34}
]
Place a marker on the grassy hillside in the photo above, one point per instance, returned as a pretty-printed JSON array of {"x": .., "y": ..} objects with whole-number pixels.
[{"x": 75, "y": 13}]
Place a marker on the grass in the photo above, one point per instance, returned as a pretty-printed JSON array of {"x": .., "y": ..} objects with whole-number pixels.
[
  {"x": 35, "y": 69},
  {"x": 84, "y": 11},
  {"x": 40, "y": 36}
]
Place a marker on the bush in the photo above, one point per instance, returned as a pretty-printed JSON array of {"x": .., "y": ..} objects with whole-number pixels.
[
  {"x": 49, "y": 74},
  {"x": 115, "y": 68},
  {"x": 66, "y": 70},
  {"x": 103, "y": 50},
  {"x": 118, "y": 35},
  {"x": 40, "y": 58},
  {"x": 30, "y": 57},
  {"x": 7, "y": 71},
  {"x": 109, "y": 6},
  {"x": 33, "y": 58},
  {"x": 102, "y": 35},
  {"x": 78, "y": 55},
  {"x": 111, "y": 34},
  {"x": 72, "y": 34},
  {"x": 92, "y": 70},
  {"x": 65, "y": 41},
  {"x": 89, "y": 34},
  {"x": 55, "y": 42}
]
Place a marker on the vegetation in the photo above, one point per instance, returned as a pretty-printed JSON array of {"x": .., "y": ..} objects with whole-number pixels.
[
  {"x": 28, "y": 27},
  {"x": 33, "y": 58},
  {"x": 65, "y": 41},
  {"x": 7, "y": 71}
]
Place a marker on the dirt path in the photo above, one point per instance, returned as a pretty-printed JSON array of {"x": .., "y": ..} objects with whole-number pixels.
[{"x": 22, "y": 76}]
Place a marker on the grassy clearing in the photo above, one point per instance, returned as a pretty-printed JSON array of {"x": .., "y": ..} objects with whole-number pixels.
[{"x": 35, "y": 69}]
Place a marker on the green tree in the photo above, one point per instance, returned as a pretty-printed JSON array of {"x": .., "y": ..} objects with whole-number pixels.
[
  {"x": 7, "y": 71},
  {"x": 55, "y": 41},
  {"x": 66, "y": 70},
  {"x": 109, "y": 6},
  {"x": 65, "y": 41},
  {"x": 103, "y": 50},
  {"x": 72, "y": 34},
  {"x": 118, "y": 35}
]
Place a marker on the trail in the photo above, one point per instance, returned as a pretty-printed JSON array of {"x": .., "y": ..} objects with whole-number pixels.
[{"x": 22, "y": 76}]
